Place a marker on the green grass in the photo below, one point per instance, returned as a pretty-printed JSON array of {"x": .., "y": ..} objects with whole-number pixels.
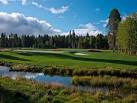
[
  {"x": 100, "y": 60},
  {"x": 95, "y": 63}
]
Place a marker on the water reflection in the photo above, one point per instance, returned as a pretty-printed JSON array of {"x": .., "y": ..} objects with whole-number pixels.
[{"x": 42, "y": 78}]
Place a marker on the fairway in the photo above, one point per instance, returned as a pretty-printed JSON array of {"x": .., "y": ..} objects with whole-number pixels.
[{"x": 75, "y": 58}]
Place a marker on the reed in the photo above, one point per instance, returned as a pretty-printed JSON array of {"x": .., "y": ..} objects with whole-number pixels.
[
  {"x": 26, "y": 91},
  {"x": 106, "y": 81}
]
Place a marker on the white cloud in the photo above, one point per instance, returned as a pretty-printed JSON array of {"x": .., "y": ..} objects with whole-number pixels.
[
  {"x": 105, "y": 22},
  {"x": 84, "y": 29},
  {"x": 23, "y": 2},
  {"x": 61, "y": 10},
  {"x": 53, "y": 10},
  {"x": 18, "y": 23},
  {"x": 87, "y": 28},
  {"x": 4, "y": 2},
  {"x": 38, "y": 5},
  {"x": 124, "y": 17}
]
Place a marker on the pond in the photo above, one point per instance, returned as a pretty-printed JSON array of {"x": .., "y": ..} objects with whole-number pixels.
[{"x": 42, "y": 78}]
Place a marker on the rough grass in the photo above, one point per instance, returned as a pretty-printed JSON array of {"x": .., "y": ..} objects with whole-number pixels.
[
  {"x": 24, "y": 91},
  {"x": 107, "y": 81}
]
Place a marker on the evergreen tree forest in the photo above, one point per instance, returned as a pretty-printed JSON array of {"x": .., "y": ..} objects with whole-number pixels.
[{"x": 57, "y": 41}]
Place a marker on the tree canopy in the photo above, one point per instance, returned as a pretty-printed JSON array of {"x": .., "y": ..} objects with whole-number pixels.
[
  {"x": 127, "y": 35},
  {"x": 58, "y": 41},
  {"x": 113, "y": 22}
]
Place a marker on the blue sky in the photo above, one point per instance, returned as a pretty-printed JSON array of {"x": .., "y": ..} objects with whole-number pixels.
[{"x": 65, "y": 15}]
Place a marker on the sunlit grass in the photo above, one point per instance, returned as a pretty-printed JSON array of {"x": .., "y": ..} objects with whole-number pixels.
[{"x": 99, "y": 60}]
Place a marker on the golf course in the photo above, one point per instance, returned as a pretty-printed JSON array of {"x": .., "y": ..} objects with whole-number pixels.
[
  {"x": 68, "y": 51},
  {"x": 95, "y": 75},
  {"x": 73, "y": 58}
]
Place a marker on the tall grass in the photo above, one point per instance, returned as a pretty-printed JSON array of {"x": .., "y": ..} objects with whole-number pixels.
[
  {"x": 107, "y": 81},
  {"x": 26, "y": 91}
]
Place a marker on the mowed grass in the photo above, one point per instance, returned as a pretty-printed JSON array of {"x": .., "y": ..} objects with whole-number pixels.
[{"x": 100, "y": 60}]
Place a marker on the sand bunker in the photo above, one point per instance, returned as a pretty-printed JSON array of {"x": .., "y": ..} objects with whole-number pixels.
[{"x": 81, "y": 54}]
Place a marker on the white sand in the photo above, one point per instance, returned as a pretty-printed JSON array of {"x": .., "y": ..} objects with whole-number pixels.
[{"x": 80, "y": 54}]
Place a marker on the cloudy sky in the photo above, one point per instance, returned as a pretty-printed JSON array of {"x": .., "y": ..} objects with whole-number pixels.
[{"x": 59, "y": 16}]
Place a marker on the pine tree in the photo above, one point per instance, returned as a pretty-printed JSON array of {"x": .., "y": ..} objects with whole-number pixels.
[{"x": 113, "y": 22}]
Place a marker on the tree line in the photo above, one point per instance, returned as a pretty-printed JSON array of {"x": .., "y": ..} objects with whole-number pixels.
[{"x": 58, "y": 41}]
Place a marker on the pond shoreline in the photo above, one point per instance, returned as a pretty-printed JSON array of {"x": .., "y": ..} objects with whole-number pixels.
[
  {"x": 64, "y": 71},
  {"x": 108, "y": 87},
  {"x": 82, "y": 77},
  {"x": 64, "y": 81}
]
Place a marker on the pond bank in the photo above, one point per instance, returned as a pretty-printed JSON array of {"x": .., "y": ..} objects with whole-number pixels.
[
  {"x": 102, "y": 88},
  {"x": 107, "y": 81},
  {"x": 86, "y": 83},
  {"x": 64, "y": 81},
  {"x": 65, "y": 71}
]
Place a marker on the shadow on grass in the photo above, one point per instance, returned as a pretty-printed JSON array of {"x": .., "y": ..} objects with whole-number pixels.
[
  {"x": 3, "y": 56},
  {"x": 10, "y": 96},
  {"x": 63, "y": 56}
]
